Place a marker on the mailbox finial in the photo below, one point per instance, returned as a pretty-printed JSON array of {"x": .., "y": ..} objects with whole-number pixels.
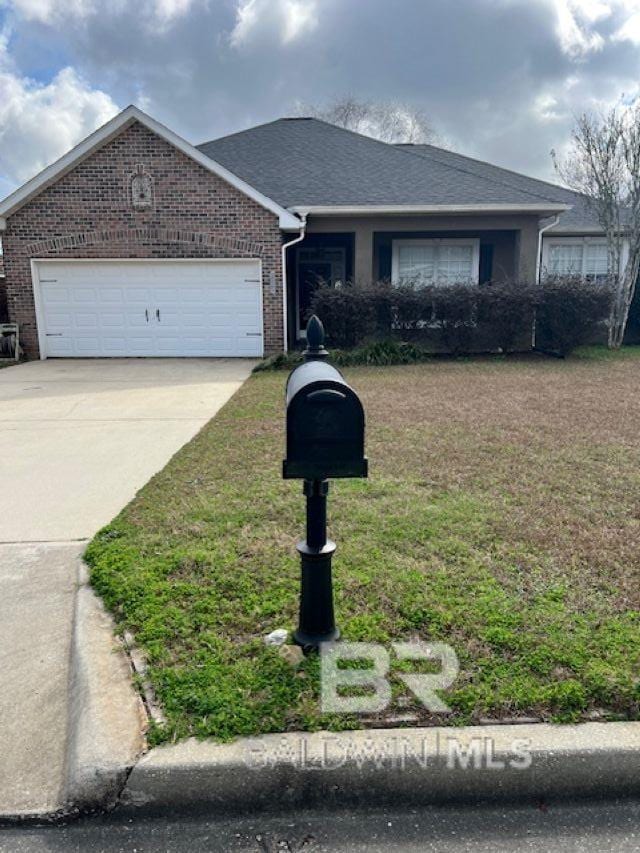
[{"x": 315, "y": 350}]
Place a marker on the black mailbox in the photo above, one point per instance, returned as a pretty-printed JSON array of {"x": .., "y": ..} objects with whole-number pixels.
[
  {"x": 325, "y": 425},
  {"x": 325, "y": 438}
]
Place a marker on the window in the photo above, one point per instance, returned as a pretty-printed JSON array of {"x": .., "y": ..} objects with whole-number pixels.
[
  {"x": 596, "y": 259},
  {"x": 435, "y": 261},
  {"x": 578, "y": 257}
]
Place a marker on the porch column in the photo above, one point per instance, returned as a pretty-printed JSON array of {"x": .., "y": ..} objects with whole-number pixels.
[
  {"x": 363, "y": 254},
  {"x": 527, "y": 250}
]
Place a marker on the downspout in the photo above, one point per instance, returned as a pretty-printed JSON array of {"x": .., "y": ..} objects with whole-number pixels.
[
  {"x": 285, "y": 246},
  {"x": 541, "y": 231}
]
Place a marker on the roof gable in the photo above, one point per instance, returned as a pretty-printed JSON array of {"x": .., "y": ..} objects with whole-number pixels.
[{"x": 109, "y": 131}]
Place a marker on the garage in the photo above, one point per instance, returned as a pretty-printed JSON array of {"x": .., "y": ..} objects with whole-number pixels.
[{"x": 162, "y": 308}]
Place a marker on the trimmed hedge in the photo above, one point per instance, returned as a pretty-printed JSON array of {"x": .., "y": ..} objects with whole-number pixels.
[
  {"x": 570, "y": 312},
  {"x": 506, "y": 311},
  {"x": 462, "y": 319}
]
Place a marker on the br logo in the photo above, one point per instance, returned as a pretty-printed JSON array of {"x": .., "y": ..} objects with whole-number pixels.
[{"x": 353, "y": 668}]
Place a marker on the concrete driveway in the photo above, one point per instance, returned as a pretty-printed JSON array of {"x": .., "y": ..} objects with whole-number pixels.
[{"x": 78, "y": 438}]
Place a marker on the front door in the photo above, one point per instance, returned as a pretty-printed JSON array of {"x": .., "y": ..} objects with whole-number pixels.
[{"x": 316, "y": 266}]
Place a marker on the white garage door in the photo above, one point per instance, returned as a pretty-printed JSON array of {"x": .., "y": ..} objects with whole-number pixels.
[{"x": 149, "y": 308}]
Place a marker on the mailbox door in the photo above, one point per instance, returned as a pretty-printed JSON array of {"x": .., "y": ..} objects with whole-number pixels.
[{"x": 325, "y": 433}]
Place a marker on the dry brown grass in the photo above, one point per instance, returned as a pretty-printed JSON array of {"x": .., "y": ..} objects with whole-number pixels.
[{"x": 557, "y": 443}]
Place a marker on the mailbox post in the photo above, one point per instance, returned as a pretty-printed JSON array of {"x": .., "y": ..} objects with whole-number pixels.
[{"x": 325, "y": 438}]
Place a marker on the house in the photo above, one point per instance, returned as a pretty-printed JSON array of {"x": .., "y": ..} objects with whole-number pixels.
[
  {"x": 137, "y": 243},
  {"x": 4, "y": 312}
]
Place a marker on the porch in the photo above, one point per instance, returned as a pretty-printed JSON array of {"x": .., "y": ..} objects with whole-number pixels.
[{"x": 338, "y": 250}]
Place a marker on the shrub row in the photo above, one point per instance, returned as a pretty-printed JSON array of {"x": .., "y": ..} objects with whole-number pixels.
[
  {"x": 460, "y": 319},
  {"x": 378, "y": 353}
]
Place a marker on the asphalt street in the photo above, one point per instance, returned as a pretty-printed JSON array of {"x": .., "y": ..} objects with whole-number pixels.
[{"x": 537, "y": 827}]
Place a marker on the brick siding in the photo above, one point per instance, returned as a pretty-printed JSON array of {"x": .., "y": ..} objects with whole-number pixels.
[{"x": 87, "y": 214}]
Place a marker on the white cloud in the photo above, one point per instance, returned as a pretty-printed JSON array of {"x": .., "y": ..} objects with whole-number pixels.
[
  {"x": 545, "y": 107},
  {"x": 155, "y": 13},
  {"x": 40, "y": 122},
  {"x": 575, "y": 21},
  {"x": 593, "y": 10},
  {"x": 47, "y": 11},
  {"x": 299, "y": 18},
  {"x": 630, "y": 30},
  {"x": 169, "y": 9},
  {"x": 287, "y": 20}
]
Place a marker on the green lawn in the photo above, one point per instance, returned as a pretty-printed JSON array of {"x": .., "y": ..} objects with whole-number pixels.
[{"x": 502, "y": 516}]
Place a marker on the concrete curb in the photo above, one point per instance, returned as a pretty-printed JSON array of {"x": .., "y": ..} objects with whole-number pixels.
[
  {"x": 106, "y": 715},
  {"x": 390, "y": 766}
]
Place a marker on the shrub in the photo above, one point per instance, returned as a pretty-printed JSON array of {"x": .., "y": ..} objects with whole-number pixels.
[
  {"x": 505, "y": 314},
  {"x": 632, "y": 334},
  {"x": 455, "y": 318},
  {"x": 412, "y": 311},
  {"x": 379, "y": 353},
  {"x": 359, "y": 312},
  {"x": 455, "y": 309},
  {"x": 354, "y": 312},
  {"x": 570, "y": 310},
  {"x": 462, "y": 318},
  {"x": 280, "y": 361}
]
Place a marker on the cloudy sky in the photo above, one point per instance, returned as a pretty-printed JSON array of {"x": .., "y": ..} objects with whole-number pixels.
[{"x": 500, "y": 79}]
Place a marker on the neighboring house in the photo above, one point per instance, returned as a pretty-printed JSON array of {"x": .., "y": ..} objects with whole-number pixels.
[{"x": 137, "y": 243}]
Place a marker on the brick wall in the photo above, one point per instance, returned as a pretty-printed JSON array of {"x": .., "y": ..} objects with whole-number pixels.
[{"x": 87, "y": 214}]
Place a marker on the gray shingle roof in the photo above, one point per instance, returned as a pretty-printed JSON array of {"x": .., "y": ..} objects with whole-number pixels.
[
  {"x": 580, "y": 217},
  {"x": 306, "y": 162}
]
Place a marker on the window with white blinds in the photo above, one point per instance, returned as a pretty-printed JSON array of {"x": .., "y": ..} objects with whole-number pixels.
[
  {"x": 438, "y": 261},
  {"x": 589, "y": 260}
]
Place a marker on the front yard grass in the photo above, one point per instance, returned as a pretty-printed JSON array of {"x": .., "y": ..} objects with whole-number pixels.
[{"x": 502, "y": 516}]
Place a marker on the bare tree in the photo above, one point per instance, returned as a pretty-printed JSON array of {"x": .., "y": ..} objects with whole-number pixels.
[
  {"x": 388, "y": 121},
  {"x": 604, "y": 165}
]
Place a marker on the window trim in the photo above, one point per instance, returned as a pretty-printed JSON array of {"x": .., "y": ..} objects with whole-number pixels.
[{"x": 396, "y": 245}]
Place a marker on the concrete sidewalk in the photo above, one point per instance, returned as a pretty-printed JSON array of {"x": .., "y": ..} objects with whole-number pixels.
[
  {"x": 77, "y": 440},
  {"x": 37, "y": 593},
  {"x": 70, "y": 718}
]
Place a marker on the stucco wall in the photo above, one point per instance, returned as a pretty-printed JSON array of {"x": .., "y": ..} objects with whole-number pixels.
[{"x": 518, "y": 259}]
